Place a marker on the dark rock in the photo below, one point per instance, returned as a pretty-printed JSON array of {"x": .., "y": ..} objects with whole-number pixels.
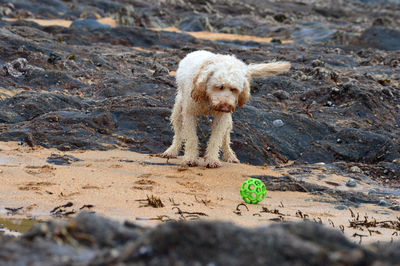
[
  {"x": 281, "y": 95},
  {"x": 280, "y": 17},
  {"x": 195, "y": 23},
  {"x": 61, "y": 159},
  {"x": 91, "y": 24},
  {"x": 340, "y": 207},
  {"x": 351, "y": 183},
  {"x": 95, "y": 87},
  {"x": 380, "y": 38},
  {"x": 382, "y": 203},
  {"x": 92, "y": 240},
  {"x": 356, "y": 146},
  {"x": 28, "y": 105}
]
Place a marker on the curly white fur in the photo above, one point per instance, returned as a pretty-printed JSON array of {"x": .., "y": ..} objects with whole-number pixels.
[{"x": 212, "y": 84}]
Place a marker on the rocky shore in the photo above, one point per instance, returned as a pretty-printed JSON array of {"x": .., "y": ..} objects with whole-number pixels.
[
  {"x": 80, "y": 241},
  {"x": 99, "y": 75}
]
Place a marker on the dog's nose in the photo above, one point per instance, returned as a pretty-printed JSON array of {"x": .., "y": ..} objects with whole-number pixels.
[{"x": 226, "y": 108}]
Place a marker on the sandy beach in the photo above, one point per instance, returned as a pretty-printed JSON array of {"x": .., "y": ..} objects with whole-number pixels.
[{"x": 116, "y": 184}]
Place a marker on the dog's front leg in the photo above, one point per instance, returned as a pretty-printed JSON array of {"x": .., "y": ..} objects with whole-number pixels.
[
  {"x": 218, "y": 129},
  {"x": 189, "y": 127}
]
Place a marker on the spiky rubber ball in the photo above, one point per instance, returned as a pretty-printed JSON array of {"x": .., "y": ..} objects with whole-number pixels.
[{"x": 253, "y": 190}]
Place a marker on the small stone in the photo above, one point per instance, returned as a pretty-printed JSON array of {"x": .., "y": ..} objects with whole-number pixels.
[
  {"x": 281, "y": 94},
  {"x": 355, "y": 169},
  {"x": 372, "y": 191},
  {"x": 340, "y": 207},
  {"x": 386, "y": 171},
  {"x": 335, "y": 89},
  {"x": 278, "y": 123},
  {"x": 303, "y": 99},
  {"x": 328, "y": 103},
  {"x": 351, "y": 183},
  {"x": 318, "y": 63},
  {"x": 339, "y": 141},
  {"x": 382, "y": 203}
]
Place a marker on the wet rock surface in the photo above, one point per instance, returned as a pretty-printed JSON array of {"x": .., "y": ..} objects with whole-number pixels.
[
  {"x": 92, "y": 86},
  {"x": 92, "y": 240}
]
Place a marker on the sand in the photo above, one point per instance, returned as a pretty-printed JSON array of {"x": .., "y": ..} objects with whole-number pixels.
[
  {"x": 204, "y": 35},
  {"x": 115, "y": 181}
]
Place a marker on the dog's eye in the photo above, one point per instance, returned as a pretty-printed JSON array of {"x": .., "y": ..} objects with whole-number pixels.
[
  {"x": 221, "y": 88},
  {"x": 234, "y": 90}
]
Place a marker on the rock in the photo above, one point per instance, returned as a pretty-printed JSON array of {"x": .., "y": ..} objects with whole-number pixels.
[
  {"x": 197, "y": 23},
  {"x": 224, "y": 243},
  {"x": 89, "y": 24},
  {"x": 81, "y": 85},
  {"x": 356, "y": 146},
  {"x": 382, "y": 203},
  {"x": 318, "y": 63},
  {"x": 20, "y": 67},
  {"x": 278, "y": 123},
  {"x": 381, "y": 38},
  {"x": 281, "y": 95},
  {"x": 355, "y": 169},
  {"x": 61, "y": 159},
  {"x": 351, "y": 183}
]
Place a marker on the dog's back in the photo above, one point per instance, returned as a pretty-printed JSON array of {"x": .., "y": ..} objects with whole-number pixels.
[{"x": 189, "y": 66}]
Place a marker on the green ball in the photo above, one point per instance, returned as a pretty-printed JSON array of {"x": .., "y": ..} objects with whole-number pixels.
[{"x": 253, "y": 190}]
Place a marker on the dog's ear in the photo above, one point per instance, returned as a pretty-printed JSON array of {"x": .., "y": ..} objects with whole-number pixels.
[
  {"x": 199, "y": 91},
  {"x": 265, "y": 70},
  {"x": 244, "y": 96}
]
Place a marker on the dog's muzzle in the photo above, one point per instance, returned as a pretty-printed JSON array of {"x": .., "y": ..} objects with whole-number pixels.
[{"x": 224, "y": 107}]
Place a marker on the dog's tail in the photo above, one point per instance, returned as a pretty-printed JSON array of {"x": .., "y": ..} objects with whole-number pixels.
[{"x": 265, "y": 70}]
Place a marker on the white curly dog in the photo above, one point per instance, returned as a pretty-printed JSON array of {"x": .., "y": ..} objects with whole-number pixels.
[{"x": 211, "y": 84}]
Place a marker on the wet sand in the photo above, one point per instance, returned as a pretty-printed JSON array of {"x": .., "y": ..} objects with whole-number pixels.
[{"x": 116, "y": 181}]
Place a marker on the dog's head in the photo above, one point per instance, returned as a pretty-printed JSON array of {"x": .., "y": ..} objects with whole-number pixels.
[{"x": 223, "y": 81}]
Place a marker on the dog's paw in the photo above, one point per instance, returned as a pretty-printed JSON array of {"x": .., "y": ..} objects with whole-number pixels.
[
  {"x": 212, "y": 163},
  {"x": 190, "y": 163},
  {"x": 167, "y": 155},
  {"x": 230, "y": 159}
]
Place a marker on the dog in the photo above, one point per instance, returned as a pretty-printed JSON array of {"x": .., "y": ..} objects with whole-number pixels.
[{"x": 211, "y": 84}]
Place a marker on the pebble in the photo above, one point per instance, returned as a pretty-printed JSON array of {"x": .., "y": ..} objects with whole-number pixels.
[
  {"x": 382, "y": 203},
  {"x": 335, "y": 89},
  {"x": 281, "y": 94},
  {"x": 355, "y": 169},
  {"x": 340, "y": 207},
  {"x": 372, "y": 191},
  {"x": 386, "y": 171},
  {"x": 339, "y": 141},
  {"x": 278, "y": 123},
  {"x": 351, "y": 183}
]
